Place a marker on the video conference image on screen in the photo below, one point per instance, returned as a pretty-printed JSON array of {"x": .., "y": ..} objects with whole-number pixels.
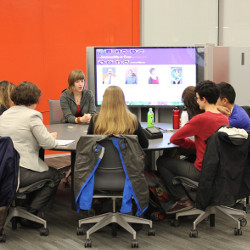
[{"x": 148, "y": 76}]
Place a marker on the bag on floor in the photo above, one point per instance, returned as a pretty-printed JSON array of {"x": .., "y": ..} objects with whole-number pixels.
[{"x": 158, "y": 196}]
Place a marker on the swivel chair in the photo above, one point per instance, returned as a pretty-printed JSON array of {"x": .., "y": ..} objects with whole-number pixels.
[
  {"x": 225, "y": 178},
  {"x": 9, "y": 166},
  {"x": 55, "y": 112},
  {"x": 109, "y": 183},
  {"x": 56, "y": 115},
  {"x": 209, "y": 212},
  {"x": 20, "y": 211}
]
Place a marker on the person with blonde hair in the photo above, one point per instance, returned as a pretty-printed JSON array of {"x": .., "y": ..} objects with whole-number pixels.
[
  {"x": 77, "y": 103},
  {"x": 6, "y": 88},
  {"x": 115, "y": 117}
]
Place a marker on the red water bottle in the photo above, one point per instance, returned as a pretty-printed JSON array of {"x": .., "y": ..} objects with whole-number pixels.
[{"x": 176, "y": 118}]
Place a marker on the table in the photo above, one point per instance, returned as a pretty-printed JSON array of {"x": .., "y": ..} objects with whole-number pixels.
[{"x": 67, "y": 131}]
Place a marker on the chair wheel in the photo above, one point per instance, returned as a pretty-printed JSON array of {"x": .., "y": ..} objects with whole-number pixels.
[
  {"x": 88, "y": 243},
  {"x": 134, "y": 244},
  {"x": 3, "y": 237},
  {"x": 193, "y": 233},
  {"x": 174, "y": 223},
  {"x": 44, "y": 231},
  {"x": 237, "y": 231},
  {"x": 151, "y": 232},
  {"x": 79, "y": 231},
  {"x": 243, "y": 222},
  {"x": 14, "y": 223},
  {"x": 114, "y": 229}
]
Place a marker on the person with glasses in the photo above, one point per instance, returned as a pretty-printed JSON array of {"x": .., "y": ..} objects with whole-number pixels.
[{"x": 201, "y": 127}]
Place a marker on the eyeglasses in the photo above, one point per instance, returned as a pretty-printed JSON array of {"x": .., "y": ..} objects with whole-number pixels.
[{"x": 196, "y": 98}]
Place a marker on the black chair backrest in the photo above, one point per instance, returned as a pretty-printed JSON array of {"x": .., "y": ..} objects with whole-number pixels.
[
  {"x": 247, "y": 109},
  {"x": 110, "y": 175}
]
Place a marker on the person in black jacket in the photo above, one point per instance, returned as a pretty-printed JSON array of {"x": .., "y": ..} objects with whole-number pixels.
[{"x": 115, "y": 118}]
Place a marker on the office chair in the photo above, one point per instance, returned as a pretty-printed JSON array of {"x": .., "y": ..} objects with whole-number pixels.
[
  {"x": 55, "y": 112},
  {"x": 109, "y": 181},
  {"x": 9, "y": 166},
  {"x": 56, "y": 115},
  {"x": 225, "y": 178},
  {"x": 20, "y": 211},
  {"x": 209, "y": 212}
]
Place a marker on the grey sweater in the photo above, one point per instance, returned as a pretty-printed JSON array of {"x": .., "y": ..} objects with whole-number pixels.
[{"x": 69, "y": 107}]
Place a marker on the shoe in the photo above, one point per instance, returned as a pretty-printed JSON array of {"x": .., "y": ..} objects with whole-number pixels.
[
  {"x": 167, "y": 205},
  {"x": 180, "y": 206},
  {"x": 30, "y": 224}
]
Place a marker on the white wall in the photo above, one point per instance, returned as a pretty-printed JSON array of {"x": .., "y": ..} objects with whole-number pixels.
[
  {"x": 192, "y": 22},
  {"x": 178, "y": 22},
  {"x": 235, "y": 23}
]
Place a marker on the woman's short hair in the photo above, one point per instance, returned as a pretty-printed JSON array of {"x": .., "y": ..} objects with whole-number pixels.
[
  {"x": 74, "y": 76},
  {"x": 26, "y": 93},
  {"x": 6, "y": 88}
]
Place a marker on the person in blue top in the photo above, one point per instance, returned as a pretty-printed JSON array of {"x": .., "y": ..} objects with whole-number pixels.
[{"x": 237, "y": 116}]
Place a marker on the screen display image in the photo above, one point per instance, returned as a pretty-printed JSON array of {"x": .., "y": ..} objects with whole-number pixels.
[{"x": 148, "y": 76}]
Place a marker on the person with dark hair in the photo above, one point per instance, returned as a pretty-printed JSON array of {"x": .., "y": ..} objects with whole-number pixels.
[
  {"x": 6, "y": 88},
  {"x": 201, "y": 127},
  {"x": 237, "y": 116},
  {"x": 188, "y": 98},
  {"x": 77, "y": 103},
  {"x": 24, "y": 125}
]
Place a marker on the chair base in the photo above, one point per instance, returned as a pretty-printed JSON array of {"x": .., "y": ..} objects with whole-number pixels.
[
  {"x": 211, "y": 211},
  {"x": 20, "y": 212},
  {"x": 121, "y": 219}
]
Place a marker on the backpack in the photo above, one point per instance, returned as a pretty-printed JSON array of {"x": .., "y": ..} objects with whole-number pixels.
[{"x": 158, "y": 196}]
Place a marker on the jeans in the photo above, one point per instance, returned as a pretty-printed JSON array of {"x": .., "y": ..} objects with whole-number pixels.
[{"x": 169, "y": 168}]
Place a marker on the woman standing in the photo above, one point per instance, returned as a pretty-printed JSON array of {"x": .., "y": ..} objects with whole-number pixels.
[{"x": 77, "y": 103}]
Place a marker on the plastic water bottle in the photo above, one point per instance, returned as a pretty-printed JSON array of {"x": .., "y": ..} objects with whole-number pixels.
[
  {"x": 184, "y": 117},
  {"x": 176, "y": 118},
  {"x": 150, "y": 118}
]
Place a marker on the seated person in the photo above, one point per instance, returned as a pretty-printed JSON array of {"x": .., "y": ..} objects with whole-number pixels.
[
  {"x": 77, "y": 103},
  {"x": 207, "y": 94},
  {"x": 188, "y": 98},
  {"x": 115, "y": 118},
  {"x": 237, "y": 116},
  {"x": 24, "y": 125},
  {"x": 5, "y": 91}
]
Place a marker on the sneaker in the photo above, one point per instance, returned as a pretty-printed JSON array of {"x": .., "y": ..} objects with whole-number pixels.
[{"x": 180, "y": 206}]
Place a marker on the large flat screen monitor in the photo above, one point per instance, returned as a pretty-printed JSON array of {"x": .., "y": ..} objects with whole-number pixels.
[{"x": 148, "y": 76}]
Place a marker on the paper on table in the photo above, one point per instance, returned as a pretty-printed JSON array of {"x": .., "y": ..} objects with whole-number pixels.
[{"x": 64, "y": 142}]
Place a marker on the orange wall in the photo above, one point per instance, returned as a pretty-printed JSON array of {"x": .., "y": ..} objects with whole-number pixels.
[{"x": 43, "y": 40}]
